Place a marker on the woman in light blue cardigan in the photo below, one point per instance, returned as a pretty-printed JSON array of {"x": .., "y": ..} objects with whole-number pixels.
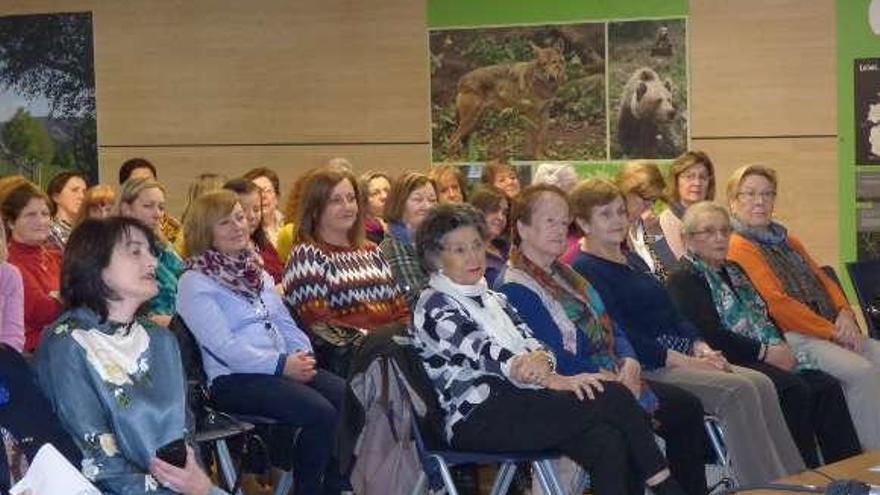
[{"x": 256, "y": 358}]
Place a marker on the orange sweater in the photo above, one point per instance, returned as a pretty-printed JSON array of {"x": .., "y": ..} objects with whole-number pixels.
[{"x": 789, "y": 314}]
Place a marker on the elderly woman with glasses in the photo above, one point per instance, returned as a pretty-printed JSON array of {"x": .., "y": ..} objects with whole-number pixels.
[
  {"x": 719, "y": 298},
  {"x": 496, "y": 383},
  {"x": 567, "y": 314},
  {"x": 691, "y": 179},
  {"x": 803, "y": 301}
]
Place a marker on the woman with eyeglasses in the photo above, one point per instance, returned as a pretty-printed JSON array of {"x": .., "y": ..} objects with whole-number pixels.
[
  {"x": 717, "y": 296},
  {"x": 670, "y": 348},
  {"x": 691, "y": 179},
  {"x": 803, "y": 301},
  {"x": 642, "y": 185}
]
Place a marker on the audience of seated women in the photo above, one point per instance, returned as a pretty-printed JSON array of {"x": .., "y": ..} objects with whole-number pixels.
[
  {"x": 11, "y": 300},
  {"x": 495, "y": 207},
  {"x": 568, "y": 316},
  {"x": 376, "y": 186},
  {"x": 267, "y": 180},
  {"x": 412, "y": 196},
  {"x": 691, "y": 179},
  {"x": 496, "y": 383},
  {"x": 668, "y": 346},
  {"x": 249, "y": 197},
  {"x": 334, "y": 275},
  {"x": 66, "y": 192},
  {"x": 257, "y": 360},
  {"x": 451, "y": 185},
  {"x": 720, "y": 300},
  {"x": 144, "y": 200},
  {"x": 115, "y": 379},
  {"x": 802, "y": 300},
  {"x": 25, "y": 213},
  {"x": 642, "y": 185}
]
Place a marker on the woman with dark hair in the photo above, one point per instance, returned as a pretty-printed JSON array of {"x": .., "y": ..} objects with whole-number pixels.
[
  {"x": 66, "y": 192},
  {"x": 249, "y": 198},
  {"x": 412, "y": 197},
  {"x": 568, "y": 316},
  {"x": 267, "y": 180},
  {"x": 256, "y": 358},
  {"x": 376, "y": 186},
  {"x": 718, "y": 297},
  {"x": 497, "y": 385},
  {"x": 334, "y": 275},
  {"x": 691, "y": 179},
  {"x": 116, "y": 380},
  {"x": 451, "y": 185},
  {"x": 495, "y": 206},
  {"x": 144, "y": 200},
  {"x": 669, "y": 347},
  {"x": 25, "y": 212}
]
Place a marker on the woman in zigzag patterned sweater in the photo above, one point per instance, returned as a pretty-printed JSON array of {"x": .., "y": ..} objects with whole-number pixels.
[{"x": 333, "y": 274}]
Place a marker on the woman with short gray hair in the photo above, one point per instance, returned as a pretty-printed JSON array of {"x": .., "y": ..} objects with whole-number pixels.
[{"x": 494, "y": 378}]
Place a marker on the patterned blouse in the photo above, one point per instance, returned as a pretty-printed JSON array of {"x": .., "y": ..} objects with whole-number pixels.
[
  {"x": 462, "y": 360},
  {"x": 119, "y": 391},
  {"x": 59, "y": 232},
  {"x": 350, "y": 286}
]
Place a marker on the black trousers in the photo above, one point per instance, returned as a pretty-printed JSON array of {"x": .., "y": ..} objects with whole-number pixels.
[
  {"x": 680, "y": 418},
  {"x": 610, "y": 436},
  {"x": 815, "y": 409},
  {"x": 26, "y": 413}
]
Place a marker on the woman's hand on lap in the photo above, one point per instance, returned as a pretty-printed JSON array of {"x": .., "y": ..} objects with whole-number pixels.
[{"x": 189, "y": 480}]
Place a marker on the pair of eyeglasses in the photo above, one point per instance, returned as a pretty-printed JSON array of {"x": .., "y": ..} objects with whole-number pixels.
[
  {"x": 723, "y": 232},
  {"x": 753, "y": 195}
]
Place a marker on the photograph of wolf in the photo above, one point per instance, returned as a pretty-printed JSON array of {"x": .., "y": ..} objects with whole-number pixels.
[
  {"x": 518, "y": 93},
  {"x": 647, "y": 88}
]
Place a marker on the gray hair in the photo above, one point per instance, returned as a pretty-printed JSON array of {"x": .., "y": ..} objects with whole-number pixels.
[
  {"x": 561, "y": 175},
  {"x": 697, "y": 211},
  {"x": 441, "y": 220}
]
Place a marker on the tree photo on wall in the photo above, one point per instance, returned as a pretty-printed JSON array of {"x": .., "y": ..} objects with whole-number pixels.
[{"x": 48, "y": 119}]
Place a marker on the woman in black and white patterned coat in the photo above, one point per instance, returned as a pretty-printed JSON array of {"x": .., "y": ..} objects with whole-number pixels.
[{"x": 497, "y": 384}]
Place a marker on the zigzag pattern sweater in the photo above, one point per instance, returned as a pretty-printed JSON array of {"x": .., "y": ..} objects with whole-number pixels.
[{"x": 350, "y": 286}]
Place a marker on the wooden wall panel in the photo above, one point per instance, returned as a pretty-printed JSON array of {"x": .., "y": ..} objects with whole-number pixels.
[
  {"x": 807, "y": 202},
  {"x": 762, "y": 67},
  {"x": 178, "y": 166}
]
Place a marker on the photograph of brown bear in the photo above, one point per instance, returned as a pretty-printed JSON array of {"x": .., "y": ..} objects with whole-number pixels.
[
  {"x": 519, "y": 93},
  {"x": 647, "y": 89}
]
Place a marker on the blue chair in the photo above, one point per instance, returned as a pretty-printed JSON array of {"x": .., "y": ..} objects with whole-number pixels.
[{"x": 865, "y": 277}]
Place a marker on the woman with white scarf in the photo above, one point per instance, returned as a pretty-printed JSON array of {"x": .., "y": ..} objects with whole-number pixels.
[{"x": 496, "y": 383}]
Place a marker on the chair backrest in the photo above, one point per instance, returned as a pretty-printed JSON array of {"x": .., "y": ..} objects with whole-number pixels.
[
  {"x": 190, "y": 353},
  {"x": 865, "y": 277}
]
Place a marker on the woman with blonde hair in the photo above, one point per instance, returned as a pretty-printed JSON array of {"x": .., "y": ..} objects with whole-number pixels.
[
  {"x": 642, "y": 185},
  {"x": 98, "y": 203},
  {"x": 144, "y": 200},
  {"x": 691, "y": 179},
  {"x": 451, "y": 185},
  {"x": 258, "y": 365}
]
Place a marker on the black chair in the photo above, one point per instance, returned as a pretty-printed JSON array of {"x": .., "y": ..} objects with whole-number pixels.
[
  {"x": 215, "y": 426},
  {"x": 865, "y": 277}
]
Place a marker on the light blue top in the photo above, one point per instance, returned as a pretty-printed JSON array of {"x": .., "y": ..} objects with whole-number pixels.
[{"x": 237, "y": 335}]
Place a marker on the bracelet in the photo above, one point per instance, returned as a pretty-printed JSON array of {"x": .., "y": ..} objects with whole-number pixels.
[{"x": 551, "y": 360}]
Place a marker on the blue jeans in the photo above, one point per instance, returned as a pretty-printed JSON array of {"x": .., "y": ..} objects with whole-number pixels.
[{"x": 312, "y": 406}]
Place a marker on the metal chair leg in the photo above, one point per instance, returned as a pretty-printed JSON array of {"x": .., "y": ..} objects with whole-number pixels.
[
  {"x": 285, "y": 483},
  {"x": 446, "y": 475},
  {"x": 547, "y": 477},
  {"x": 227, "y": 467},
  {"x": 503, "y": 479},
  {"x": 421, "y": 483}
]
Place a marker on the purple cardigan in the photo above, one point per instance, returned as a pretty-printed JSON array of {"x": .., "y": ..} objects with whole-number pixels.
[{"x": 11, "y": 307}]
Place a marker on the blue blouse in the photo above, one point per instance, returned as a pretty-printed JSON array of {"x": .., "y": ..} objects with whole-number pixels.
[
  {"x": 638, "y": 302},
  {"x": 119, "y": 391}
]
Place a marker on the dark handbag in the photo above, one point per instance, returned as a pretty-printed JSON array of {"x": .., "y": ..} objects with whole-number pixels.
[{"x": 335, "y": 346}]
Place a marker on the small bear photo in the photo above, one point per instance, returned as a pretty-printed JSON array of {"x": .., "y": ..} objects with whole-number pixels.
[{"x": 647, "y": 89}]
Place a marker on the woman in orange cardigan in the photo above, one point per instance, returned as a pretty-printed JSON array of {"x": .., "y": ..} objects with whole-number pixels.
[{"x": 803, "y": 301}]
